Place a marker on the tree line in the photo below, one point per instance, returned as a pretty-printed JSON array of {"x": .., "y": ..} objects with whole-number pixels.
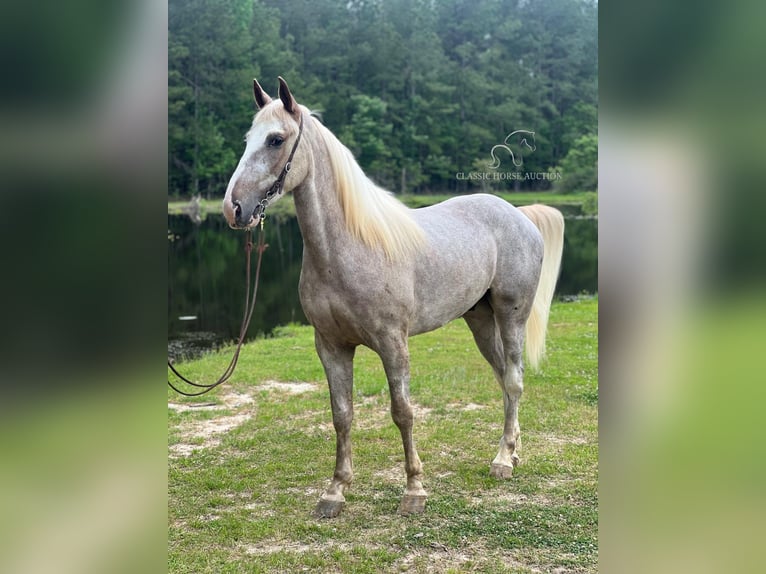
[{"x": 419, "y": 90}]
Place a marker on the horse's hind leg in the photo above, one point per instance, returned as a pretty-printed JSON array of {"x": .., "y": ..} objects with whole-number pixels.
[
  {"x": 500, "y": 338},
  {"x": 511, "y": 323},
  {"x": 338, "y": 365},
  {"x": 481, "y": 321},
  {"x": 396, "y": 361}
]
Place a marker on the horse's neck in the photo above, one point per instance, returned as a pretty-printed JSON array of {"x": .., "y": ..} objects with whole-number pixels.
[{"x": 318, "y": 208}]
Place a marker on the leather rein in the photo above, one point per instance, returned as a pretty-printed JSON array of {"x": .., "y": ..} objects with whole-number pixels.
[
  {"x": 249, "y": 307},
  {"x": 275, "y": 190}
]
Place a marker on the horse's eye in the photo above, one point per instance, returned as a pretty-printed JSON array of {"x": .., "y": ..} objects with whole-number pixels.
[{"x": 276, "y": 141}]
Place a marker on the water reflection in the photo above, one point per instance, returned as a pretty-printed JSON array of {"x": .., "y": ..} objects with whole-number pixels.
[{"x": 206, "y": 279}]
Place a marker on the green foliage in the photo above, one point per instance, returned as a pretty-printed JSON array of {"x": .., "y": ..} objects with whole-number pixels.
[
  {"x": 579, "y": 169},
  {"x": 208, "y": 67},
  {"x": 367, "y": 133},
  {"x": 418, "y": 90},
  {"x": 590, "y": 204}
]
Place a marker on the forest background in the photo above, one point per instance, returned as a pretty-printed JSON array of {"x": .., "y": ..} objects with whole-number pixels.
[{"x": 419, "y": 90}]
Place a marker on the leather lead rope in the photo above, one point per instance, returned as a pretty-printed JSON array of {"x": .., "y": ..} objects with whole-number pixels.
[
  {"x": 275, "y": 189},
  {"x": 249, "y": 307}
]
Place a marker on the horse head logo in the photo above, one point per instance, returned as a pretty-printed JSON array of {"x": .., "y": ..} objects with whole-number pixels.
[{"x": 517, "y": 140}]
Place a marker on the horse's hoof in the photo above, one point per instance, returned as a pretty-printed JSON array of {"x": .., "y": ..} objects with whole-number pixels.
[
  {"x": 412, "y": 504},
  {"x": 328, "y": 508},
  {"x": 500, "y": 471}
]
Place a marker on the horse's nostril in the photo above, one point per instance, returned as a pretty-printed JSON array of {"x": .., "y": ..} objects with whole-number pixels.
[{"x": 237, "y": 208}]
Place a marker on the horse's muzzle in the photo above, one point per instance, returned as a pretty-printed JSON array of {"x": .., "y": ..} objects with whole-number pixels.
[{"x": 241, "y": 214}]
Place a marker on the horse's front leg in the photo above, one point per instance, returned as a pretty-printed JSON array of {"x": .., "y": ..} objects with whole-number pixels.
[
  {"x": 396, "y": 362},
  {"x": 339, "y": 368}
]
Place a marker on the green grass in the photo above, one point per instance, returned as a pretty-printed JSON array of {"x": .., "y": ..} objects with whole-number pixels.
[{"x": 243, "y": 501}]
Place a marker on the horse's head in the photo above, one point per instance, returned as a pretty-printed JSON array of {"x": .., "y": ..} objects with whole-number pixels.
[{"x": 272, "y": 163}]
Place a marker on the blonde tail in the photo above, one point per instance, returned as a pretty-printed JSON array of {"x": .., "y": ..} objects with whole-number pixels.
[{"x": 550, "y": 222}]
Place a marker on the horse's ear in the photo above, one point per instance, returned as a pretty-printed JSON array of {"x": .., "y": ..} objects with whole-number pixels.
[
  {"x": 261, "y": 97},
  {"x": 287, "y": 98}
]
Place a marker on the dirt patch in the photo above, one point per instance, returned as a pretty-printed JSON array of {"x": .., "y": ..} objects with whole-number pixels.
[
  {"x": 271, "y": 547},
  {"x": 512, "y": 499},
  {"x": 561, "y": 440},
  {"x": 235, "y": 400},
  {"x": 197, "y": 435},
  {"x": 185, "y": 408},
  {"x": 438, "y": 558},
  {"x": 230, "y": 400},
  {"x": 295, "y": 388},
  {"x": 473, "y": 407},
  {"x": 465, "y": 408},
  {"x": 209, "y": 431},
  {"x": 393, "y": 475}
]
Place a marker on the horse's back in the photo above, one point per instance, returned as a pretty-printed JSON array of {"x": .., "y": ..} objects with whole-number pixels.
[{"x": 473, "y": 220}]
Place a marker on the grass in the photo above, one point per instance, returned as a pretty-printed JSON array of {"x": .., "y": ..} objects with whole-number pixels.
[{"x": 243, "y": 500}]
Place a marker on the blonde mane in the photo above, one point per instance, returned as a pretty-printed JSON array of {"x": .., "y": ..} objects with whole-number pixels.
[{"x": 373, "y": 215}]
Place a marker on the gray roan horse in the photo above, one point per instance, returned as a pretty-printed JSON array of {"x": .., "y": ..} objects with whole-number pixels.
[{"x": 376, "y": 272}]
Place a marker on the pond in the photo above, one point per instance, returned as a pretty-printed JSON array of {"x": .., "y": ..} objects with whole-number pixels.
[{"x": 206, "y": 278}]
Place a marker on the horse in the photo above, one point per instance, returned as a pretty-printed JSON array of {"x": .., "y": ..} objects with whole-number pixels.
[
  {"x": 375, "y": 272},
  {"x": 522, "y": 137}
]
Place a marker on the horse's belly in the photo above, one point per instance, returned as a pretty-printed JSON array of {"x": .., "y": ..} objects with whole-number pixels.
[{"x": 450, "y": 291}]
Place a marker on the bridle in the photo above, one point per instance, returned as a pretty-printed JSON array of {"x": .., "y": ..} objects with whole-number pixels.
[
  {"x": 278, "y": 186},
  {"x": 275, "y": 190}
]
